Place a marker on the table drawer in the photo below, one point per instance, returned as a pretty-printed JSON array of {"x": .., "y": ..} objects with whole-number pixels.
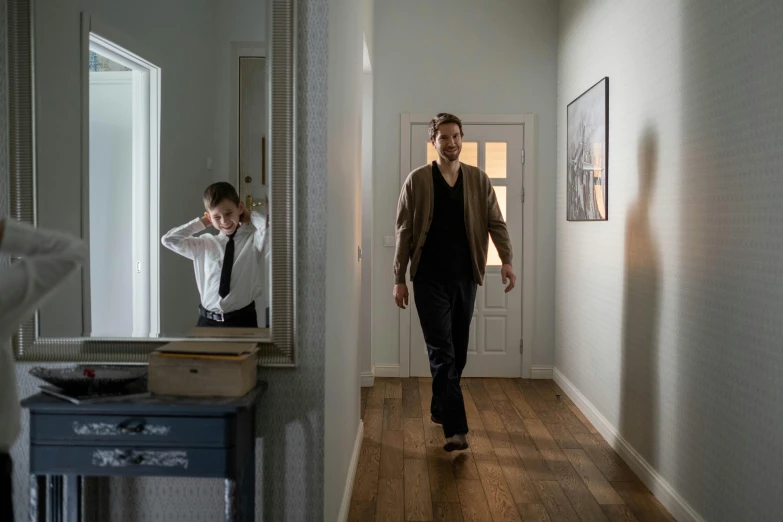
[
  {"x": 133, "y": 430},
  {"x": 131, "y": 461}
]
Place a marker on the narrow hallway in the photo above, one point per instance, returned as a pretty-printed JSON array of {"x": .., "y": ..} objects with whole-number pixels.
[{"x": 533, "y": 456}]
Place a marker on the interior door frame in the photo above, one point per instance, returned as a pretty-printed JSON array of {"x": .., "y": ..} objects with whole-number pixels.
[{"x": 528, "y": 274}]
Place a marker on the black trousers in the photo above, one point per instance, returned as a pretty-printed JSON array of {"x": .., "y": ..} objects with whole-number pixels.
[
  {"x": 243, "y": 318},
  {"x": 445, "y": 312},
  {"x": 6, "y": 492}
]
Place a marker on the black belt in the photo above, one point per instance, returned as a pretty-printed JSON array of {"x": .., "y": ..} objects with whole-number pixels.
[{"x": 220, "y": 318}]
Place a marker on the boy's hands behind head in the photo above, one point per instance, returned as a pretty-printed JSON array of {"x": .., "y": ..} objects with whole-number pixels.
[
  {"x": 206, "y": 220},
  {"x": 244, "y": 217}
]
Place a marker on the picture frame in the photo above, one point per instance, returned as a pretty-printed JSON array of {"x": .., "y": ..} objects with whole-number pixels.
[{"x": 587, "y": 155}]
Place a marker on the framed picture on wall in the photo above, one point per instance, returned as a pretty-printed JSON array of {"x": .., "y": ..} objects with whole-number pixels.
[{"x": 587, "y": 196}]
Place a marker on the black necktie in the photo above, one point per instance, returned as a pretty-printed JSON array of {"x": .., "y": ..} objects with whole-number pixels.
[{"x": 228, "y": 264}]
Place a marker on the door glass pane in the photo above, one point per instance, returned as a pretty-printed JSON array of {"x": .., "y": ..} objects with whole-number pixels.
[
  {"x": 493, "y": 259},
  {"x": 469, "y": 155},
  {"x": 496, "y": 156}
]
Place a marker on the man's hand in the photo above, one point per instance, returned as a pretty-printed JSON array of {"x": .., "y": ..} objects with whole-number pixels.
[
  {"x": 507, "y": 272},
  {"x": 205, "y": 220},
  {"x": 401, "y": 295}
]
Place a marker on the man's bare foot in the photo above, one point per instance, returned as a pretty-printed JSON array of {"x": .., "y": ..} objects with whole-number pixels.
[{"x": 456, "y": 443}]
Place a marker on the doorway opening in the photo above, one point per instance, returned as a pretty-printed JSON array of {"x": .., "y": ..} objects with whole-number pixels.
[{"x": 123, "y": 178}]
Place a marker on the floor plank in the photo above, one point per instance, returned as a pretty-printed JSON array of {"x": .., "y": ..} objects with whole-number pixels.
[
  {"x": 362, "y": 512},
  {"x": 603, "y": 492},
  {"x": 411, "y": 402},
  {"x": 471, "y": 412},
  {"x": 606, "y": 459},
  {"x": 557, "y": 505},
  {"x": 391, "y": 455},
  {"x": 473, "y": 502},
  {"x": 480, "y": 395},
  {"x": 376, "y": 395},
  {"x": 641, "y": 502},
  {"x": 511, "y": 388},
  {"x": 494, "y": 389},
  {"x": 479, "y": 441},
  {"x": 373, "y": 426},
  {"x": 414, "y": 444},
  {"x": 418, "y": 502},
  {"x": 562, "y": 436},
  {"x": 365, "y": 487},
  {"x": 393, "y": 388},
  {"x": 392, "y": 414},
  {"x": 522, "y": 488},
  {"x": 533, "y": 513},
  {"x": 501, "y": 503},
  {"x": 443, "y": 486},
  {"x": 391, "y": 501},
  {"x": 534, "y": 462},
  {"x": 363, "y": 402},
  {"x": 451, "y": 512},
  {"x": 511, "y": 419},
  {"x": 464, "y": 465},
  {"x": 619, "y": 513}
]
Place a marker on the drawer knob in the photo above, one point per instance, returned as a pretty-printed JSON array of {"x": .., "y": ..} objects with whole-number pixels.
[{"x": 131, "y": 426}]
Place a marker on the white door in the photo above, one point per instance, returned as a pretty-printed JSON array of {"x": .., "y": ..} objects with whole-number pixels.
[{"x": 496, "y": 330}]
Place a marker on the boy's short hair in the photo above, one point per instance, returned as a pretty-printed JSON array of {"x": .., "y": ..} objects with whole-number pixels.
[
  {"x": 218, "y": 192},
  {"x": 440, "y": 119}
]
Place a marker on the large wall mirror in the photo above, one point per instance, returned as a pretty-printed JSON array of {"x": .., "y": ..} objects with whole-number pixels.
[{"x": 121, "y": 115}]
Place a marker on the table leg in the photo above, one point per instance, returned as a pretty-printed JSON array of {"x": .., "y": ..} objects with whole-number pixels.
[
  {"x": 37, "y": 498},
  {"x": 230, "y": 500},
  {"x": 247, "y": 476},
  {"x": 73, "y": 498}
]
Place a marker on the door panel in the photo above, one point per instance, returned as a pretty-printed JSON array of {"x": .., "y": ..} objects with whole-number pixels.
[{"x": 496, "y": 329}]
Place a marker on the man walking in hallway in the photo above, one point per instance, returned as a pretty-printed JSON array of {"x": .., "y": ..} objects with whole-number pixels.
[{"x": 445, "y": 213}]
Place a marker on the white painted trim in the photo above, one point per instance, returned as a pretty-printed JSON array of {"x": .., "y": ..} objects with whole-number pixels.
[
  {"x": 243, "y": 50},
  {"x": 345, "y": 508},
  {"x": 368, "y": 379},
  {"x": 541, "y": 372},
  {"x": 529, "y": 222},
  {"x": 386, "y": 370},
  {"x": 659, "y": 486}
]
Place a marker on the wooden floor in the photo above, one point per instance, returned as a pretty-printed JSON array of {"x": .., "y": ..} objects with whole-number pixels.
[{"x": 533, "y": 456}]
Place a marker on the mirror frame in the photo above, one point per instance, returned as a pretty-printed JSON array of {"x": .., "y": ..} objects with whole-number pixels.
[{"x": 18, "y": 49}]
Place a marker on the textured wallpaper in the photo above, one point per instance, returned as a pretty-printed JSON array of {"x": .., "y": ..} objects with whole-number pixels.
[
  {"x": 668, "y": 316},
  {"x": 289, "y": 469}
]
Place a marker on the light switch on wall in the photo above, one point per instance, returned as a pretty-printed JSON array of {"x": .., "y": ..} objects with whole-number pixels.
[{"x": 388, "y": 241}]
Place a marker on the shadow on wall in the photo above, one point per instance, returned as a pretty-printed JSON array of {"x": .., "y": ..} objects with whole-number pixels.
[{"x": 639, "y": 417}]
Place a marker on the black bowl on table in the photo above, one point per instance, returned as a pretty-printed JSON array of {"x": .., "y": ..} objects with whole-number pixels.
[{"x": 91, "y": 379}]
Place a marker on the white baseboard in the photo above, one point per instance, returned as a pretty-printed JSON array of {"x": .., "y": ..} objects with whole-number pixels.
[
  {"x": 368, "y": 379},
  {"x": 541, "y": 372},
  {"x": 659, "y": 486},
  {"x": 386, "y": 370},
  {"x": 345, "y": 508}
]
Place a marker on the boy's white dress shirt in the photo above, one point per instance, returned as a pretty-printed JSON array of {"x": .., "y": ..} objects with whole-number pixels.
[
  {"x": 207, "y": 252},
  {"x": 47, "y": 258}
]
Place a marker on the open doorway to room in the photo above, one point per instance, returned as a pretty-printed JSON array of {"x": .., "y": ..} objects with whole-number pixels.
[{"x": 123, "y": 117}]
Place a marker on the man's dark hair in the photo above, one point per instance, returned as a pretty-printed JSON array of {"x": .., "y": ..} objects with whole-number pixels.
[
  {"x": 440, "y": 119},
  {"x": 219, "y": 192}
]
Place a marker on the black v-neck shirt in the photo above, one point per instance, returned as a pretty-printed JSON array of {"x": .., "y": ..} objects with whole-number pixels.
[{"x": 446, "y": 253}]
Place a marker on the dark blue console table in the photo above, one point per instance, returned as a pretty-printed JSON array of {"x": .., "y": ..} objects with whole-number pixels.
[{"x": 148, "y": 437}]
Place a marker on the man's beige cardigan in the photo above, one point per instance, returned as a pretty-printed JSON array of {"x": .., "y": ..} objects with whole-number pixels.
[{"x": 482, "y": 219}]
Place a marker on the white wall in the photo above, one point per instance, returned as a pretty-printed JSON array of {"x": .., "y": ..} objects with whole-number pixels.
[
  {"x": 178, "y": 36},
  {"x": 462, "y": 57},
  {"x": 343, "y": 237},
  {"x": 668, "y": 315}
]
